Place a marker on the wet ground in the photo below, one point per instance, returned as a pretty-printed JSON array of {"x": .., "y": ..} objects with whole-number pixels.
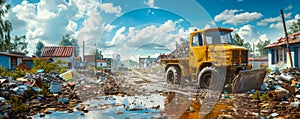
[{"x": 142, "y": 94}]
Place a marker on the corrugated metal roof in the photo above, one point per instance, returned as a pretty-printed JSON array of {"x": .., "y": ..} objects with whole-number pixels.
[
  {"x": 57, "y": 51},
  {"x": 11, "y": 55}
]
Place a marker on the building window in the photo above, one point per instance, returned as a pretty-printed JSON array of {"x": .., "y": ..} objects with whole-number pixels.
[{"x": 279, "y": 56}]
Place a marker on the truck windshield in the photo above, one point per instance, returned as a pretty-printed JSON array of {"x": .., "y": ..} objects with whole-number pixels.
[{"x": 218, "y": 37}]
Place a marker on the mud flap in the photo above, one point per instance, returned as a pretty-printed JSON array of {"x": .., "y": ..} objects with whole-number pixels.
[{"x": 248, "y": 79}]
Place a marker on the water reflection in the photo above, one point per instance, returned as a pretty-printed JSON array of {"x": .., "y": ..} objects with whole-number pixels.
[{"x": 159, "y": 105}]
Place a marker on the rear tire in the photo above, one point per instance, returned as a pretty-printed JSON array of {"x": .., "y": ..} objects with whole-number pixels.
[{"x": 173, "y": 75}]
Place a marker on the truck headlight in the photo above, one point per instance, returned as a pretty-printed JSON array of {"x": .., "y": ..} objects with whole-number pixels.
[{"x": 244, "y": 64}]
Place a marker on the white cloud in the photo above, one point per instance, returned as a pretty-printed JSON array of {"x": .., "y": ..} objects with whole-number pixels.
[
  {"x": 240, "y": 0},
  {"x": 109, "y": 27},
  {"x": 210, "y": 25},
  {"x": 126, "y": 40},
  {"x": 248, "y": 33},
  {"x": 234, "y": 17},
  {"x": 49, "y": 20},
  {"x": 72, "y": 26},
  {"x": 150, "y": 3},
  {"x": 264, "y": 37},
  {"x": 279, "y": 26},
  {"x": 266, "y": 21},
  {"x": 91, "y": 30},
  {"x": 119, "y": 36},
  {"x": 290, "y": 7},
  {"x": 45, "y": 21},
  {"x": 24, "y": 12},
  {"x": 109, "y": 8}
]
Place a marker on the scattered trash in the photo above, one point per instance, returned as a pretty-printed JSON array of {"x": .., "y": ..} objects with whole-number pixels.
[
  {"x": 40, "y": 71},
  {"x": 63, "y": 100},
  {"x": 36, "y": 89},
  {"x": 295, "y": 104},
  {"x": 274, "y": 114},
  {"x": 55, "y": 87}
]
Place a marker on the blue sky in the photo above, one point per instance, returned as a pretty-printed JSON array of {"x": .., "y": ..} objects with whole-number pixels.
[{"x": 133, "y": 27}]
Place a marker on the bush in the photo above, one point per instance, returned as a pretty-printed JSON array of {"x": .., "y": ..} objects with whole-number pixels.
[
  {"x": 52, "y": 66},
  {"x": 3, "y": 71}
]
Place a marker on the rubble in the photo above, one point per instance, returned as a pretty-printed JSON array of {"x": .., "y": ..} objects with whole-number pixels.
[
  {"x": 30, "y": 95},
  {"x": 276, "y": 98}
]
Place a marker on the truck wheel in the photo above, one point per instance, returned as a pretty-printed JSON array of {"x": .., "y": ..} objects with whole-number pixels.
[
  {"x": 205, "y": 77},
  {"x": 173, "y": 75}
]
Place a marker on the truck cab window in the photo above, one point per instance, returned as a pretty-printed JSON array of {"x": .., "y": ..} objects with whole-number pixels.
[{"x": 197, "y": 40}]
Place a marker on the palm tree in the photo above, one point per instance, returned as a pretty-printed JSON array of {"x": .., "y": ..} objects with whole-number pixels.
[{"x": 5, "y": 27}]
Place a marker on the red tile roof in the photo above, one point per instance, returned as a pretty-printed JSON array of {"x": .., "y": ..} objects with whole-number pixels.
[
  {"x": 23, "y": 66},
  {"x": 57, "y": 51},
  {"x": 101, "y": 60},
  {"x": 293, "y": 39}
]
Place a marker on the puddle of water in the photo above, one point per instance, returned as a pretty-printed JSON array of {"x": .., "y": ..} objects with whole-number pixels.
[{"x": 116, "y": 107}]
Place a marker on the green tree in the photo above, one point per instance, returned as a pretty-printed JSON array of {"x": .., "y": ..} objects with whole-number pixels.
[
  {"x": 39, "y": 46},
  {"x": 19, "y": 44},
  {"x": 248, "y": 46},
  {"x": 261, "y": 47},
  {"x": 295, "y": 27},
  {"x": 68, "y": 40},
  {"x": 237, "y": 40},
  {"x": 5, "y": 27}
]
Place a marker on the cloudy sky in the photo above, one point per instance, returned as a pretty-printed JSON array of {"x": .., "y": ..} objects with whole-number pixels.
[{"x": 135, "y": 28}]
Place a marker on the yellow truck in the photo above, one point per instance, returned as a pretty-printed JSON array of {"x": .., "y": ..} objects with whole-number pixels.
[{"x": 210, "y": 52}]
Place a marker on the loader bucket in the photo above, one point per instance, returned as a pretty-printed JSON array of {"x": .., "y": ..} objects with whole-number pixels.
[{"x": 248, "y": 79}]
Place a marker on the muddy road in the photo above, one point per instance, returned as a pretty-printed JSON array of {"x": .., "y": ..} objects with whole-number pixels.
[{"x": 140, "y": 94}]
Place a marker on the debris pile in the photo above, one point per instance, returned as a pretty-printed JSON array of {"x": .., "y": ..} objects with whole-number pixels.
[
  {"x": 109, "y": 86},
  {"x": 181, "y": 51},
  {"x": 36, "y": 93},
  {"x": 278, "y": 97}
]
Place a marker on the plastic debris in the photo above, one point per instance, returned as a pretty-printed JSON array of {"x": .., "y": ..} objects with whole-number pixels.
[
  {"x": 286, "y": 77},
  {"x": 55, "y": 87},
  {"x": 274, "y": 114},
  {"x": 63, "y": 100},
  {"x": 36, "y": 89},
  {"x": 40, "y": 71},
  {"x": 295, "y": 104}
]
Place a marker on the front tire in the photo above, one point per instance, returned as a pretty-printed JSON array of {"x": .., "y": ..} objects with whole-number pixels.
[
  {"x": 210, "y": 78},
  {"x": 173, "y": 75}
]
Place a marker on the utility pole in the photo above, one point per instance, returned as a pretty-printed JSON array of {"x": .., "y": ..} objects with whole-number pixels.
[
  {"x": 96, "y": 56},
  {"x": 286, "y": 38},
  {"x": 83, "y": 50}
]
